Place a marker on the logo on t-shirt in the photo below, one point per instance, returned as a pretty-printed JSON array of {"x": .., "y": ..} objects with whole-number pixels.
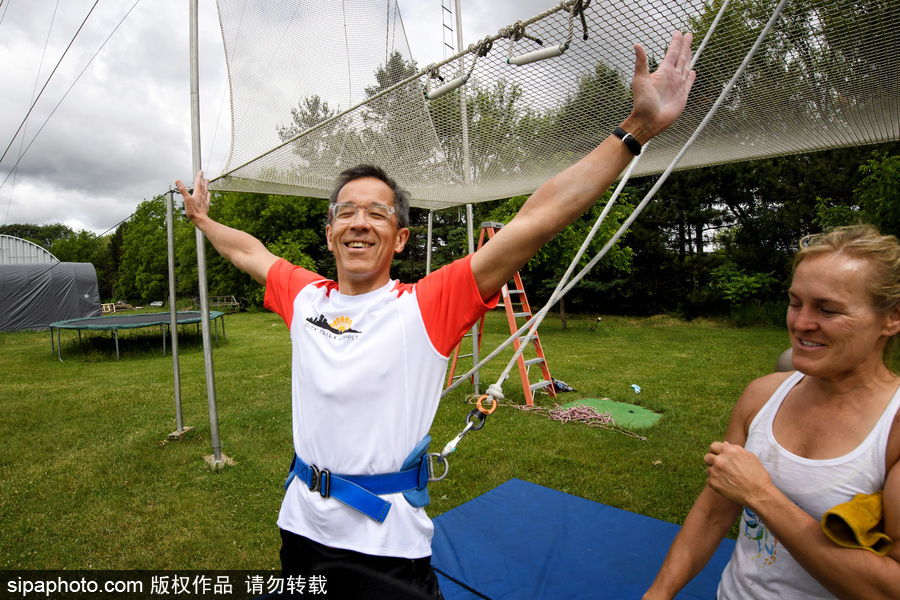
[
  {"x": 339, "y": 326},
  {"x": 756, "y": 531}
]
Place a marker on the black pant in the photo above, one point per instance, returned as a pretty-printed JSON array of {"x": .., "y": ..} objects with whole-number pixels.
[{"x": 349, "y": 574}]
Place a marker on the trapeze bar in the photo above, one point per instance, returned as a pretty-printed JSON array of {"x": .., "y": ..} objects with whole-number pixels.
[
  {"x": 447, "y": 87},
  {"x": 543, "y": 53}
]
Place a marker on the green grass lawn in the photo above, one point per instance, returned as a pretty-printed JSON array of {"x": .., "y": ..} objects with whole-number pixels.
[{"x": 88, "y": 479}]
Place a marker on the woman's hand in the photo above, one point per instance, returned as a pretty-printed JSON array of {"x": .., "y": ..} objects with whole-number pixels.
[{"x": 735, "y": 473}]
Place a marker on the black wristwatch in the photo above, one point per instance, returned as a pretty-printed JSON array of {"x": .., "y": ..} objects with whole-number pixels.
[{"x": 628, "y": 140}]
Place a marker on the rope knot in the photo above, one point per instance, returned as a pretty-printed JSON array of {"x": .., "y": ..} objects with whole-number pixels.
[
  {"x": 495, "y": 391},
  {"x": 433, "y": 71},
  {"x": 515, "y": 32},
  {"x": 482, "y": 47}
]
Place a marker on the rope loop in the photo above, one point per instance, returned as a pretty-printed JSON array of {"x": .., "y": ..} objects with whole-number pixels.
[
  {"x": 496, "y": 391},
  {"x": 576, "y": 8}
]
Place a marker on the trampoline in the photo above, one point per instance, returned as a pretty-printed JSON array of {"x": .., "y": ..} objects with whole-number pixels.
[{"x": 136, "y": 321}]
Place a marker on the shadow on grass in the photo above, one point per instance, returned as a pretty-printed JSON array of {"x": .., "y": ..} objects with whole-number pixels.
[{"x": 133, "y": 344}]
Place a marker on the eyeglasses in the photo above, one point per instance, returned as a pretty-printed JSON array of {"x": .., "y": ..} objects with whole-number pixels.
[{"x": 376, "y": 214}]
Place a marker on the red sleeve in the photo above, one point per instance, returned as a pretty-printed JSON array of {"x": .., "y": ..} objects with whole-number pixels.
[
  {"x": 450, "y": 304},
  {"x": 283, "y": 282}
]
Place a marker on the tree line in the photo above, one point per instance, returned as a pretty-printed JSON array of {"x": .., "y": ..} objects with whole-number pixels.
[{"x": 717, "y": 241}]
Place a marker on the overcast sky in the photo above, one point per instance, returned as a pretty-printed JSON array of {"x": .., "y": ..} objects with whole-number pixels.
[{"x": 120, "y": 128}]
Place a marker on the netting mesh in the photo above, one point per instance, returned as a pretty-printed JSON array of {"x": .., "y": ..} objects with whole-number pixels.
[{"x": 321, "y": 86}]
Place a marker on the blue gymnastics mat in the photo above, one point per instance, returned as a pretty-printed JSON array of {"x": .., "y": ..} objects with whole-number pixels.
[{"x": 527, "y": 542}]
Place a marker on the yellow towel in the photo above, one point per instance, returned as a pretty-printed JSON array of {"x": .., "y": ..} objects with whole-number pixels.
[{"x": 858, "y": 523}]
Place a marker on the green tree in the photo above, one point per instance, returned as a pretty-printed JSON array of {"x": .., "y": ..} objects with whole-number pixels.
[
  {"x": 591, "y": 111},
  {"x": 879, "y": 190},
  {"x": 42, "y": 235},
  {"x": 289, "y": 226},
  {"x": 502, "y": 130},
  {"x": 113, "y": 260},
  {"x": 83, "y": 246},
  {"x": 392, "y": 124},
  {"x": 320, "y": 149},
  {"x": 738, "y": 286},
  {"x": 143, "y": 271},
  {"x": 543, "y": 272}
]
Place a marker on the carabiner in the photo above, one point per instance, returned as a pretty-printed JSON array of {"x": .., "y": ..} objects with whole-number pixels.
[
  {"x": 442, "y": 459},
  {"x": 474, "y": 422}
]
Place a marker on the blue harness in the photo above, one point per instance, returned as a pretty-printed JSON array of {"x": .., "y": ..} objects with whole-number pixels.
[{"x": 362, "y": 492}]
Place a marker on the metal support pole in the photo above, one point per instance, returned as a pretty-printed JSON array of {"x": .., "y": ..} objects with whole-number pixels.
[
  {"x": 428, "y": 244},
  {"x": 173, "y": 313},
  {"x": 470, "y": 229},
  {"x": 464, "y": 117},
  {"x": 467, "y": 169},
  {"x": 201, "y": 247}
]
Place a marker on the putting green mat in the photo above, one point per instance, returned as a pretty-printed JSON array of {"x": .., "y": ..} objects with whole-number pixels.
[{"x": 625, "y": 415}]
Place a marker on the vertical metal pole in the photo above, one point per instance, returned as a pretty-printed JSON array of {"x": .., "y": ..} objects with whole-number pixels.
[
  {"x": 427, "y": 247},
  {"x": 201, "y": 245},
  {"x": 467, "y": 169},
  {"x": 173, "y": 329},
  {"x": 464, "y": 117},
  {"x": 470, "y": 217}
]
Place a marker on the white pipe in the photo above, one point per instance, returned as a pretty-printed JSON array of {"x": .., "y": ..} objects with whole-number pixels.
[
  {"x": 542, "y": 54},
  {"x": 463, "y": 110},
  {"x": 447, "y": 87}
]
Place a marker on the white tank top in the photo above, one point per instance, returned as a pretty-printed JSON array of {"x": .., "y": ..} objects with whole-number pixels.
[{"x": 760, "y": 567}]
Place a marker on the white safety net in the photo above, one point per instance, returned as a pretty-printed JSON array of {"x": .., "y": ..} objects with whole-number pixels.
[{"x": 317, "y": 87}]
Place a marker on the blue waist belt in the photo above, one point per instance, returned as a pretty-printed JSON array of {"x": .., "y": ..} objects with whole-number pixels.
[{"x": 361, "y": 492}]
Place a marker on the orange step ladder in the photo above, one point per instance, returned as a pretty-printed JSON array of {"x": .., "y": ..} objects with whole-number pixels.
[{"x": 514, "y": 300}]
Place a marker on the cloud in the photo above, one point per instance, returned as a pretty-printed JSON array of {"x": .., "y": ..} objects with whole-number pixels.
[{"x": 123, "y": 132}]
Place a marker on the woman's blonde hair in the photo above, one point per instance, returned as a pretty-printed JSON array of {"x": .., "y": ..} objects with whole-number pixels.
[{"x": 863, "y": 242}]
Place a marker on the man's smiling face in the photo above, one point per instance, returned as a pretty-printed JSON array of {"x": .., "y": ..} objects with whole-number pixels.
[{"x": 363, "y": 250}]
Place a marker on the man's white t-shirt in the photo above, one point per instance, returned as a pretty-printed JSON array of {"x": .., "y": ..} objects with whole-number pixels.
[{"x": 367, "y": 374}]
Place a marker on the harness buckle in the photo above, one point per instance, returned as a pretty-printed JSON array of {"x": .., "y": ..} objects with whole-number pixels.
[
  {"x": 324, "y": 484},
  {"x": 320, "y": 481}
]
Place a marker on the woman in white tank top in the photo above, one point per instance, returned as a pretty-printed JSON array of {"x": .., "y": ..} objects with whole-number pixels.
[{"x": 799, "y": 443}]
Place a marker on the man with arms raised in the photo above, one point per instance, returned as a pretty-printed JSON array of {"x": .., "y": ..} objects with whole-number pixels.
[{"x": 370, "y": 353}]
